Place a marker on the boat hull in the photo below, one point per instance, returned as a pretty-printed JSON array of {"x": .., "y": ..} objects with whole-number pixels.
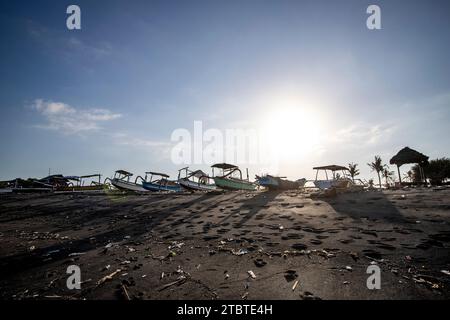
[
  {"x": 276, "y": 183},
  {"x": 194, "y": 186},
  {"x": 127, "y": 186},
  {"x": 82, "y": 188},
  {"x": 234, "y": 184},
  {"x": 327, "y": 184},
  {"x": 150, "y": 186}
]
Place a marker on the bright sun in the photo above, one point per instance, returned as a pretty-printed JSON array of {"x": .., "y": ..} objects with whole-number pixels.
[{"x": 291, "y": 132}]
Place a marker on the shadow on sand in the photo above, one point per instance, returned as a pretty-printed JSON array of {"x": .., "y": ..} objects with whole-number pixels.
[
  {"x": 370, "y": 205},
  {"x": 253, "y": 206}
]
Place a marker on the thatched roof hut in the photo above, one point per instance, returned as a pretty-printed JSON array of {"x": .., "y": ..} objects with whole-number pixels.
[{"x": 406, "y": 156}]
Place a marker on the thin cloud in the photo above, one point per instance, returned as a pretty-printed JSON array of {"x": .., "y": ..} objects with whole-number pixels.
[
  {"x": 57, "y": 41},
  {"x": 364, "y": 134},
  {"x": 62, "y": 117}
]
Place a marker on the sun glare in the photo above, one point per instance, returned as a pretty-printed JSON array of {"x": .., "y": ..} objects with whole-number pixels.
[{"x": 292, "y": 132}]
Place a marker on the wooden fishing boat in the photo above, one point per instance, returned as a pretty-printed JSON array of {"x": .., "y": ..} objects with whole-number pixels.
[
  {"x": 195, "y": 180},
  {"x": 231, "y": 178},
  {"x": 121, "y": 181},
  {"x": 160, "y": 182},
  {"x": 77, "y": 183},
  {"x": 31, "y": 185},
  {"x": 279, "y": 183},
  {"x": 339, "y": 180}
]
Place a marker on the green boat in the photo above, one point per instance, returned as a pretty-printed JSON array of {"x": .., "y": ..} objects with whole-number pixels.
[{"x": 231, "y": 178}]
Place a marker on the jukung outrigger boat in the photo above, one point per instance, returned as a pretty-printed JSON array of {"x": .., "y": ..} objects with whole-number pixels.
[
  {"x": 279, "y": 183},
  {"x": 77, "y": 183},
  {"x": 231, "y": 178},
  {"x": 337, "y": 181},
  {"x": 195, "y": 180},
  {"x": 160, "y": 183},
  {"x": 121, "y": 180},
  {"x": 26, "y": 185}
]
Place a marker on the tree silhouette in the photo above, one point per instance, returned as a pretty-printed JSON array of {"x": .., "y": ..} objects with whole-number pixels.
[
  {"x": 377, "y": 166},
  {"x": 353, "y": 171}
]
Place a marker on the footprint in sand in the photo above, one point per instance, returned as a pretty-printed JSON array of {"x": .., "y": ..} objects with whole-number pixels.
[
  {"x": 299, "y": 246},
  {"x": 292, "y": 236}
]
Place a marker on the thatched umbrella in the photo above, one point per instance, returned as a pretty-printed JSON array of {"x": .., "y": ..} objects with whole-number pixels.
[{"x": 406, "y": 156}]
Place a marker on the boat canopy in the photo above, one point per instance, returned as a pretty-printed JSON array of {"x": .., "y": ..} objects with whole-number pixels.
[
  {"x": 332, "y": 167},
  {"x": 224, "y": 166},
  {"x": 198, "y": 174},
  {"x": 91, "y": 175},
  {"x": 75, "y": 178},
  {"x": 126, "y": 173},
  {"x": 158, "y": 174}
]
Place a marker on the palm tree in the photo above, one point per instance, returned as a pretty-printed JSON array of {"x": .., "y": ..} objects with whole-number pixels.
[
  {"x": 388, "y": 175},
  {"x": 408, "y": 176},
  {"x": 377, "y": 166},
  {"x": 352, "y": 170}
]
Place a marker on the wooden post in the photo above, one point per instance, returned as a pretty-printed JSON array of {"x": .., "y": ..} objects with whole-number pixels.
[{"x": 399, "y": 176}]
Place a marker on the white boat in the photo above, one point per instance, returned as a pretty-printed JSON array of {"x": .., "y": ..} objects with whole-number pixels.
[
  {"x": 195, "y": 180},
  {"x": 121, "y": 180},
  {"x": 338, "y": 180}
]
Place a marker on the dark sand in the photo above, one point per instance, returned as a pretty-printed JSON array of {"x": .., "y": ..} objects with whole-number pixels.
[{"x": 194, "y": 239}]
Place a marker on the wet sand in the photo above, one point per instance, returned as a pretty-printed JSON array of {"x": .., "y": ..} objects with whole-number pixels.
[{"x": 201, "y": 246}]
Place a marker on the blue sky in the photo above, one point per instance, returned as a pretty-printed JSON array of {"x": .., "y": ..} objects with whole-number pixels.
[{"x": 110, "y": 95}]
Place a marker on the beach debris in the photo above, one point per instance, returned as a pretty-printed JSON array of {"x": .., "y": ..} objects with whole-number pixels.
[
  {"x": 74, "y": 254},
  {"x": 244, "y": 296},
  {"x": 51, "y": 252},
  {"x": 32, "y": 248},
  {"x": 348, "y": 268},
  {"x": 295, "y": 285},
  {"x": 109, "y": 245},
  {"x": 162, "y": 275},
  {"x": 108, "y": 277},
  {"x": 251, "y": 274},
  {"x": 106, "y": 267},
  {"x": 290, "y": 275},
  {"x": 130, "y": 249},
  {"x": 346, "y": 282},
  {"x": 446, "y": 272},
  {"x": 326, "y": 254},
  {"x": 176, "y": 245},
  {"x": 259, "y": 262},
  {"x": 240, "y": 252},
  {"x": 177, "y": 282},
  {"x": 125, "y": 292},
  {"x": 226, "y": 276}
]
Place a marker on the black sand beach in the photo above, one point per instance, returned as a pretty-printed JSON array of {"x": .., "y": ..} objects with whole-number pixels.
[{"x": 202, "y": 246}]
